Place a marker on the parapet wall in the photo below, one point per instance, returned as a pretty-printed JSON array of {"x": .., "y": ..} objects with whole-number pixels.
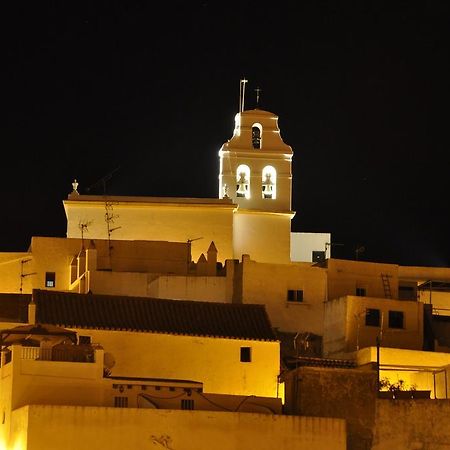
[{"x": 72, "y": 428}]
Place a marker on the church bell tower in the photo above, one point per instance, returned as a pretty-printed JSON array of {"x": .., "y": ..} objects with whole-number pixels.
[
  {"x": 255, "y": 172},
  {"x": 255, "y": 164}
]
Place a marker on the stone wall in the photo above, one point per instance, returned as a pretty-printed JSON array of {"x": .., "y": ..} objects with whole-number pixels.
[
  {"x": 340, "y": 393},
  {"x": 412, "y": 424}
]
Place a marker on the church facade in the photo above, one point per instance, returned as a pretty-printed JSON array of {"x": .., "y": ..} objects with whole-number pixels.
[{"x": 251, "y": 216}]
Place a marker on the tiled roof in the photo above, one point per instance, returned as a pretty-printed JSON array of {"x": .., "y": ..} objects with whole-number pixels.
[
  {"x": 14, "y": 307},
  {"x": 301, "y": 361},
  {"x": 195, "y": 318}
]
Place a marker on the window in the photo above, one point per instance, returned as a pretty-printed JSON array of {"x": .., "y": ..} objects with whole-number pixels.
[
  {"x": 360, "y": 292},
  {"x": 83, "y": 340},
  {"x": 396, "y": 319},
  {"x": 246, "y": 354},
  {"x": 269, "y": 182},
  {"x": 187, "y": 404},
  {"x": 318, "y": 256},
  {"x": 121, "y": 402},
  {"x": 372, "y": 317},
  {"x": 50, "y": 279},
  {"x": 294, "y": 295},
  {"x": 256, "y": 135},
  {"x": 243, "y": 181}
]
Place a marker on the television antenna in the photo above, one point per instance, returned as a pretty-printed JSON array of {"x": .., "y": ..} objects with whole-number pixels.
[
  {"x": 24, "y": 275},
  {"x": 109, "y": 219},
  {"x": 102, "y": 181},
  {"x": 83, "y": 226},
  {"x": 195, "y": 239},
  {"x": 359, "y": 249},
  {"x": 189, "y": 242}
]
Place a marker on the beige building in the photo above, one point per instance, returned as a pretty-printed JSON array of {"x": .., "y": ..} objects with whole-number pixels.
[
  {"x": 354, "y": 322},
  {"x": 229, "y": 348},
  {"x": 184, "y": 304},
  {"x": 61, "y": 399}
]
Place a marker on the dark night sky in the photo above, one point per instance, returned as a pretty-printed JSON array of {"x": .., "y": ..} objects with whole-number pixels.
[{"x": 360, "y": 88}]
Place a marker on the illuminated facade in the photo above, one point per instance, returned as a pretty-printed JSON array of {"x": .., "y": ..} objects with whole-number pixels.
[
  {"x": 62, "y": 399},
  {"x": 229, "y": 253},
  {"x": 251, "y": 216}
]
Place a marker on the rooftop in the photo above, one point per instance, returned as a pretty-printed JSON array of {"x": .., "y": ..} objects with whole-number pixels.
[{"x": 141, "y": 314}]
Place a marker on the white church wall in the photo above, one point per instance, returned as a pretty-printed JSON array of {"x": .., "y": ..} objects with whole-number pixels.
[
  {"x": 265, "y": 237},
  {"x": 303, "y": 245},
  {"x": 201, "y": 222}
]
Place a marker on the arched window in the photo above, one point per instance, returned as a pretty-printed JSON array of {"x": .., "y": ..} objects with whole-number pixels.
[
  {"x": 256, "y": 135},
  {"x": 269, "y": 182},
  {"x": 243, "y": 181}
]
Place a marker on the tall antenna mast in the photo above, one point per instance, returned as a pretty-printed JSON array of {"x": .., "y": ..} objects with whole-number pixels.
[
  {"x": 22, "y": 274},
  {"x": 83, "y": 226},
  {"x": 242, "y": 94},
  {"x": 109, "y": 219}
]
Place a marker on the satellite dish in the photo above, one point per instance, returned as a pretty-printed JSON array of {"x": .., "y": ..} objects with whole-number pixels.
[{"x": 109, "y": 361}]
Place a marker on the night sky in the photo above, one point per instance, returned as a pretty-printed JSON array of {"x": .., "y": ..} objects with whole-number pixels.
[{"x": 149, "y": 90}]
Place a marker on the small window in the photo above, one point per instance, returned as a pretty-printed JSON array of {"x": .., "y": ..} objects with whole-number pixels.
[
  {"x": 396, "y": 319},
  {"x": 318, "y": 256},
  {"x": 294, "y": 295},
  {"x": 84, "y": 340},
  {"x": 187, "y": 404},
  {"x": 121, "y": 402},
  {"x": 50, "y": 279},
  {"x": 246, "y": 354},
  {"x": 360, "y": 292},
  {"x": 372, "y": 317}
]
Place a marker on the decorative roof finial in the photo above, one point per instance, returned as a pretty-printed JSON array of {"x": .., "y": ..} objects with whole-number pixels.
[{"x": 75, "y": 186}]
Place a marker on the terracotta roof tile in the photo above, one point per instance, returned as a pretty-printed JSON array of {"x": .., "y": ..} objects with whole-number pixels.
[{"x": 196, "y": 318}]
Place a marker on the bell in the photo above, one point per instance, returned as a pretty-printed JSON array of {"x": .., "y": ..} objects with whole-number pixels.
[
  {"x": 242, "y": 186},
  {"x": 267, "y": 186}
]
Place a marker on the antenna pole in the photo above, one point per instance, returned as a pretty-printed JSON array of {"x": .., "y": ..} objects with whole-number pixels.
[
  {"x": 103, "y": 181},
  {"x": 242, "y": 94}
]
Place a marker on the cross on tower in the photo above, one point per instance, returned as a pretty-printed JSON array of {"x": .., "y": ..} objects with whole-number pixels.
[{"x": 258, "y": 92}]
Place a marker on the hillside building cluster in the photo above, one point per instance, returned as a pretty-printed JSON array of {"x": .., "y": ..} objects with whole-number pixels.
[{"x": 193, "y": 324}]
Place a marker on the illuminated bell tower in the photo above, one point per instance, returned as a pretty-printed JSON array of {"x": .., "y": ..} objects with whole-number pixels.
[
  {"x": 255, "y": 172},
  {"x": 255, "y": 164}
]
